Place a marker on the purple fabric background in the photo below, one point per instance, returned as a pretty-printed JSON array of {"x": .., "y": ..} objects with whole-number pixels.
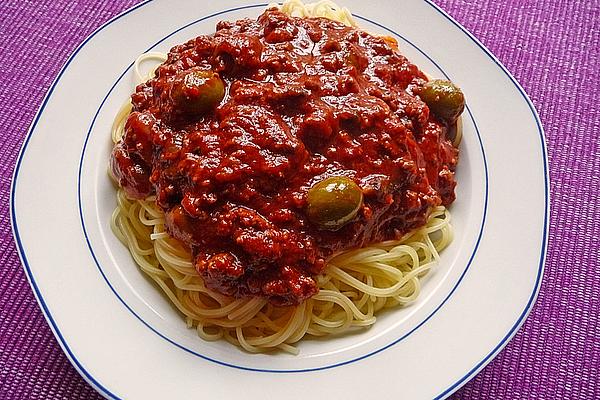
[{"x": 551, "y": 47}]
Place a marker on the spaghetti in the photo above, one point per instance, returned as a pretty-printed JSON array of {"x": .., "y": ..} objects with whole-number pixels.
[{"x": 355, "y": 286}]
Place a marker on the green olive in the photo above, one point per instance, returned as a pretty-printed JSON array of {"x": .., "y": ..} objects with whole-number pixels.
[
  {"x": 197, "y": 91},
  {"x": 444, "y": 99},
  {"x": 333, "y": 202}
]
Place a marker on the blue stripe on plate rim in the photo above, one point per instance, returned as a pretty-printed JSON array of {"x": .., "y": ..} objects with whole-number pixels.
[{"x": 443, "y": 394}]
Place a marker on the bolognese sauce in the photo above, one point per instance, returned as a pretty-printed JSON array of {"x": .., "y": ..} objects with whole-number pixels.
[{"x": 274, "y": 143}]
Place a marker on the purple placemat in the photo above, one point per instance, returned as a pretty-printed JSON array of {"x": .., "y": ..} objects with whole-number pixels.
[{"x": 551, "y": 47}]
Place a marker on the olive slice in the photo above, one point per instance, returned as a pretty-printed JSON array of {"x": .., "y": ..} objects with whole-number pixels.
[
  {"x": 197, "y": 91},
  {"x": 444, "y": 99},
  {"x": 333, "y": 202}
]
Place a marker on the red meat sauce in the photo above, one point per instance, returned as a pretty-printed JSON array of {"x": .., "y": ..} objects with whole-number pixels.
[{"x": 305, "y": 99}]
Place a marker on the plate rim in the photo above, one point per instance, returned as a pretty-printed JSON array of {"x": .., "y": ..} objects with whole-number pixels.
[{"x": 460, "y": 382}]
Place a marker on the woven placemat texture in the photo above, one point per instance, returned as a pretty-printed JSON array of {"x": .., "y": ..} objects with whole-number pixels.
[{"x": 551, "y": 47}]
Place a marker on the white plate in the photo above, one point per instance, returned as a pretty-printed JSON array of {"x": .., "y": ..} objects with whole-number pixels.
[{"x": 128, "y": 342}]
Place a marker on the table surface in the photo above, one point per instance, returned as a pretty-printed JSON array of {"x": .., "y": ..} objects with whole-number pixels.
[{"x": 550, "y": 46}]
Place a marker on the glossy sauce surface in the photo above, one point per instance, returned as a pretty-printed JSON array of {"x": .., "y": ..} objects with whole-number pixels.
[{"x": 304, "y": 100}]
